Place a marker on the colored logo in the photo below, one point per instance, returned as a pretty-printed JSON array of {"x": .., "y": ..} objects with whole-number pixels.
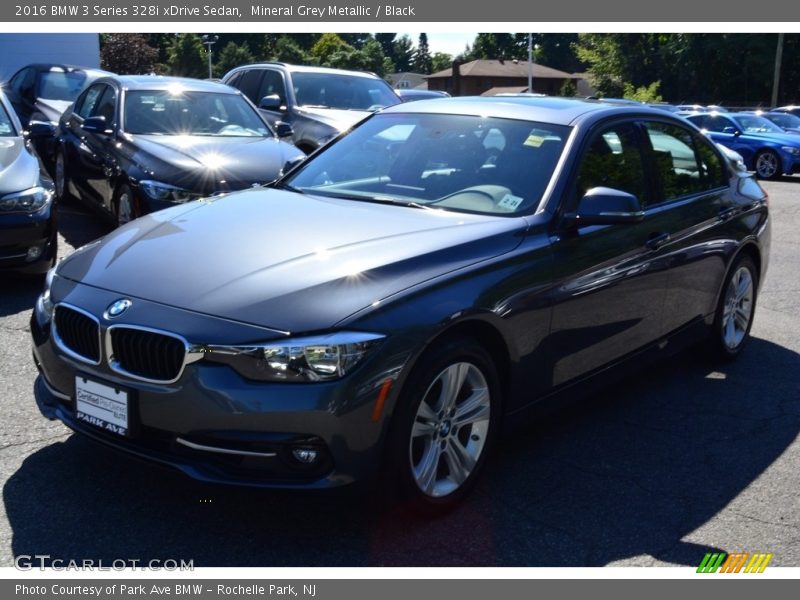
[
  {"x": 117, "y": 308},
  {"x": 738, "y": 562}
]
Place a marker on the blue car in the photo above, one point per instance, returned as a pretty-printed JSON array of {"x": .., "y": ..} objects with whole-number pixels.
[{"x": 766, "y": 148}]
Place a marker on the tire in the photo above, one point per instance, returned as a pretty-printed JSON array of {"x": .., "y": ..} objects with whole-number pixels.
[
  {"x": 737, "y": 304},
  {"x": 61, "y": 177},
  {"x": 126, "y": 208},
  {"x": 442, "y": 435},
  {"x": 767, "y": 165}
]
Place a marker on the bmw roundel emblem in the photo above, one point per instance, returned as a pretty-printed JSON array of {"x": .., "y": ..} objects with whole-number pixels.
[{"x": 118, "y": 307}]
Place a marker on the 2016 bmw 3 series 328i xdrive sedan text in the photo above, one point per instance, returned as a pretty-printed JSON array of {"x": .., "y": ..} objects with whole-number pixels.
[{"x": 385, "y": 306}]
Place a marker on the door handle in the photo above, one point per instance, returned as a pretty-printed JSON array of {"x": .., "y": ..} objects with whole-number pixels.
[
  {"x": 727, "y": 213},
  {"x": 656, "y": 240}
]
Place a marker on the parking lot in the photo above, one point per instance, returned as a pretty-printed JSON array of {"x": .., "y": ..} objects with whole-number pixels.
[{"x": 688, "y": 458}]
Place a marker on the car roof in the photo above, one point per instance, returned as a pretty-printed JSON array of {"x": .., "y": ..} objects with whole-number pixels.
[
  {"x": 308, "y": 69},
  {"x": 64, "y": 67},
  {"x": 559, "y": 111},
  {"x": 157, "y": 82}
]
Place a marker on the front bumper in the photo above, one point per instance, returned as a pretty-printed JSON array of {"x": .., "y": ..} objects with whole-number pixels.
[
  {"x": 212, "y": 407},
  {"x": 19, "y": 232}
]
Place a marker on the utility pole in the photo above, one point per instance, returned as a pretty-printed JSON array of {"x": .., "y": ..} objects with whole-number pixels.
[
  {"x": 210, "y": 40},
  {"x": 776, "y": 78},
  {"x": 530, "y": 63}
]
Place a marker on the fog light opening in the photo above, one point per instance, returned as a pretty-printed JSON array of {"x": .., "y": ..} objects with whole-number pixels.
[
  {"x": 306, "y": 456},
  {"x": 33, "y": 253}
]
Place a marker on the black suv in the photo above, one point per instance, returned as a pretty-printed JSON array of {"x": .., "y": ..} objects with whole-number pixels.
[{"x": 318, "y": 103}]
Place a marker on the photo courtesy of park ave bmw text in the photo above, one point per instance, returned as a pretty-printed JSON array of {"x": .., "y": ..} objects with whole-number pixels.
[{"x": 473, "y": 296}]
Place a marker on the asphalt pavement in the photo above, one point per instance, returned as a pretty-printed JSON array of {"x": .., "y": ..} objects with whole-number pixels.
[{"x": 687, "y": 458}]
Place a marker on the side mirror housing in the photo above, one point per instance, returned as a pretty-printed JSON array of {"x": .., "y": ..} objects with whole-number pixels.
[
  {"x": 731, "y": 130},
  {"x": 292, "y": 163},
  {"x": 607, "y": 206},
  {"x": 38, "y": 129},
  {"x": 283, "y": 129},
  {"x": 271, "y": 102},
  {"x": 96, "y": 125}
]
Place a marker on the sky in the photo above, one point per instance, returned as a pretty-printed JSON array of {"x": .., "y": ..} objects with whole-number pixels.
[{"x": 444, "y": 41}]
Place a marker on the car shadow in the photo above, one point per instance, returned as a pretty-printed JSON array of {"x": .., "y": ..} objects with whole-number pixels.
[
  {"x": 78, "y": 226},
  {"x": 632, "y": 471}
]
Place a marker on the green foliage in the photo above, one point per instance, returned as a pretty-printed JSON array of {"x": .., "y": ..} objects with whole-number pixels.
[
  {"x": 289, "y": 51},
  {"x": 422, "y": 57},
  {"x": 495, "y": 46},
  {"x": 440, "y": 61},
  {"x": 186, "y": 56},
  {"x": 645, "y": 93},
  {"x": 568, "y": 89},
  {"x": 127, "y": 54},
  {"x": 231, "y": 56},
  {"x": 328, "y": 45},
  {"x": 403, "y": 54}
]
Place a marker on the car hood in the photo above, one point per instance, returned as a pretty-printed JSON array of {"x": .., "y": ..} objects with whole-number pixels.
[
  {"x": 19, "y": 169},
  {"x": 286, "y": 261},
  {"x": 194, "y": 161},
  {"x": 338, "y": 119},
  {"x": 779, "y": 138},
  {"x": 52, "y": 109}
]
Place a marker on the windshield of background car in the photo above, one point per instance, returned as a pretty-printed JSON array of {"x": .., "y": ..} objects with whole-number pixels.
[
  {"x": 62, "y": 85},
  {"x": 756, "y": 124},
  {"x": 345, "y": 92},
  {"x": 6, "y": 125},
  {"x": 785, "y": 120},
  {"x": 176, "y": 112},
  {"x": 457, "y": 162}
]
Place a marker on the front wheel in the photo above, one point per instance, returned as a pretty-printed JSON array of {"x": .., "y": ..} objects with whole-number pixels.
[
  {"x": 125, "y": 207},
  {"x": 768, "y": 165},
  {"x": 447, "y": 420},
  {"x": 734, "y": 317}
]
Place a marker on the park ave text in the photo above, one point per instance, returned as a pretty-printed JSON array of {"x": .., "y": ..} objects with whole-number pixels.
[{"x": 177, "y": 589}]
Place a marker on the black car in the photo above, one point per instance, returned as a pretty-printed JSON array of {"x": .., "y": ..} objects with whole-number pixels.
[
  {"x": 28, "y": 232},
  {"x": 446, "y": 267},
  {"x": 407, "y": 95},
  {"x": 133, "y": 145},
  {"x": 42, "y": 92},
  {"x": 318, "y": 103}
]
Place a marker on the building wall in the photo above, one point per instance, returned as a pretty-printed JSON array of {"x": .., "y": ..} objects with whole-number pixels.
[
  {"x": 475, "y": 86},
  {"x": 20, "y": 49}
]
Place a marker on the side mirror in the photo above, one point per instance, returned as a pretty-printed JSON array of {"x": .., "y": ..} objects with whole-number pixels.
[
  {"x": 271, "y": 102},
  {"x": 40, "y": 129},
  {"x": 731, "y": 130},
  {"x": 607, "y": 206},
  {"x": 95, "y": 125},
  {"x": 283, "y": 130},
  {"x": 292, "y": 163}
]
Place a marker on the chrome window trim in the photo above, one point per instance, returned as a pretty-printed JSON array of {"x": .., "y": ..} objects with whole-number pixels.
[
  {"x": 219, "y": 450},
  {"x": 60, "y": 342},
  {"x": 192, "y": 352}
]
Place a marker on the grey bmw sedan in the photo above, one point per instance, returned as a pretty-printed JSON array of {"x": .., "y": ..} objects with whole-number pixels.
[{"x": 388, "y": 305}]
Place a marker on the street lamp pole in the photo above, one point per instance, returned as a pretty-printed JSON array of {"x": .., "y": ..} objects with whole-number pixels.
[
  {"x": 776, "y": 77},
  {"x": 209, "y": 41},
  {"x": 530, "y": 63}
]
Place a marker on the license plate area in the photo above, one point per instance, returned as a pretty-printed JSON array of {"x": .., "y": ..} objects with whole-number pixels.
[{"x": 104, "y": 406}]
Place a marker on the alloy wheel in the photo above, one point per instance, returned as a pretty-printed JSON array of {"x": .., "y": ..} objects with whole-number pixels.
[
  {"x": 738, "y": 308},
  {"x": 767, "y": 165}
]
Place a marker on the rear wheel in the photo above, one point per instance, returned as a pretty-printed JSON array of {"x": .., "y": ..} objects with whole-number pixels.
[
  {"x": 768, "y": 165},
  {"x": 736, "y": 309},
  {"x": 448, "y": 415}
]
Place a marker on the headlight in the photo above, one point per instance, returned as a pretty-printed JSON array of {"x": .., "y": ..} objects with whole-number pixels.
[
  {"x": 791, "y": 150},
  {"x": 44, "y": 305},
  {"x": 166, "y": 192},
  {"x": 322, "y": 358},
  {"x": 30, "y": 200}
]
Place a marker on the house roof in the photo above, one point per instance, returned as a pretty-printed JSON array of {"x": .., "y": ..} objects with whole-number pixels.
[
  {"x": 515, "y": 89},
  {"x": 504, "y": 68}
]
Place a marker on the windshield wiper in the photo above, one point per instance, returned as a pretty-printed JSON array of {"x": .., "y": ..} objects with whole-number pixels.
[{"x": 365, "y": 198}]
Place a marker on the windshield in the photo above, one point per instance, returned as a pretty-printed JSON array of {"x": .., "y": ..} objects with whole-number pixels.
[
  {"x": 756, "y": 124},
  {"x": 177, "y": 112},
  {"x": 346, "y": 92},
  {"x": 6, "y": 126},
  {"x": 785, "y": 120},
  {"x": 63, "y": 85},
  {"x": 455, "y": 162}
]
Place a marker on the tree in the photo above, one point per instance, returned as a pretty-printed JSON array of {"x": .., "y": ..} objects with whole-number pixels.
[
  {"x": 232, "y": 55},
  {"x": 287, "y": 50},
  {"x": 441, "y": 61},
  {"x": 328, "y": 45},
  {"x": 422, "y": 58},
  {"x": 645, "y": 93},
  {"x": 500, "y": 46},
  {"x": 403, "y": 54},
  {"x": 128, "y": 54},
  {"x": 568, "y": 89},
  {"x": 186, "y": 56}
]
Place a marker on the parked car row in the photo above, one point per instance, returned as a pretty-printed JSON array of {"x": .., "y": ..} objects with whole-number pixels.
[{"x": 385, "y": 307}]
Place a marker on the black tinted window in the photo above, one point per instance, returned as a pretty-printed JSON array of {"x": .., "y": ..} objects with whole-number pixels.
[
  {"x": 86, "y": 102},
  {"x": 106, "y": 106},
  {"x": 613, "y": 160},
  {"x": 272, "y": 84},
  {"x": 249, "y": 84},
  {"x": 678, "y": 171}
]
